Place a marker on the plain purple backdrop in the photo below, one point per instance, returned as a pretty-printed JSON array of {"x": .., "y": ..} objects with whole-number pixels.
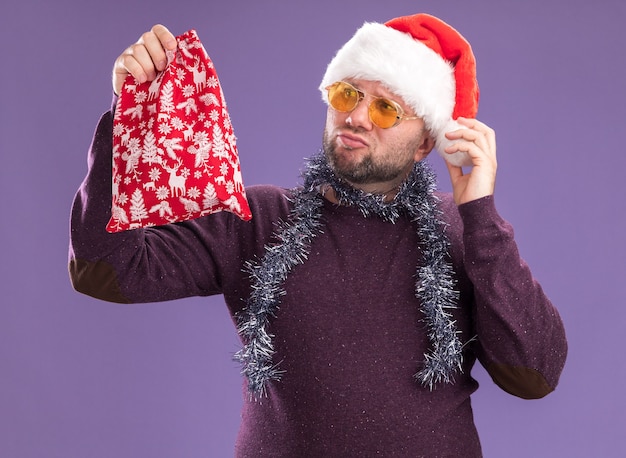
[{"x": 84, "y": 378}]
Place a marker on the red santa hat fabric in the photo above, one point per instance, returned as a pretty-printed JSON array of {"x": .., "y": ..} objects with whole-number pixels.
[
  {"x": 423, "y": 60},
  {"x": 174, "y": 151}
]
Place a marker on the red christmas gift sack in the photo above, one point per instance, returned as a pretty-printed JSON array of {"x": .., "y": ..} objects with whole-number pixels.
[{"x": 174, "y": 151}]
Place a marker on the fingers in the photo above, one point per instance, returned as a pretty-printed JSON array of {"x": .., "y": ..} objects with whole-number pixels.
[
  {"x": 156, "y": 43},
  {"x": 479, "y": 142},
  {"x": 145, "y": 58},
  {"x": 477, "y": 139},
  {"x": 167, "y": 39},
  {"x": 455, "y": 172}
]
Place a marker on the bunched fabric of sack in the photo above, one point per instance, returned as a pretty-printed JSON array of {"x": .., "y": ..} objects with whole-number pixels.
[{"x": 174, "y": 150}]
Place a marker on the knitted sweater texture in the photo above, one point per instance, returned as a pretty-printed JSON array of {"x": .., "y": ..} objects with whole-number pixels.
[{"x": 349, "y": 334}]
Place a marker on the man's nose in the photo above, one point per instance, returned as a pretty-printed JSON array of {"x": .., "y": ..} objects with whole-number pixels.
[{"x": 359, "y": 117}]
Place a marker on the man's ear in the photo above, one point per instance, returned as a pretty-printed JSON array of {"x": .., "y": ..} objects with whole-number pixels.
[{"x": 425, "y": 147}]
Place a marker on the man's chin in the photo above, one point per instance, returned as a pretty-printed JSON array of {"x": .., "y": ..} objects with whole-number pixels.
[
  {"x": 349, "y": 172},
  {"x": 350, "y": 164}
]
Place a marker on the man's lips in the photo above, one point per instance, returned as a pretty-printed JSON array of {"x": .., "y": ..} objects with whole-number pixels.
[{"x": 351, "y": 141}]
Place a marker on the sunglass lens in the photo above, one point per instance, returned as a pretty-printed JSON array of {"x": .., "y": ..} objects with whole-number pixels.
[
  {"x": 383, "y": 113},
  {"x": 343, "y": 97}
]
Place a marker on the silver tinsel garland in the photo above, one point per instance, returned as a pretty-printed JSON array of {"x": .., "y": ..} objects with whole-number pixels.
[{"x": 435, "y": 286}]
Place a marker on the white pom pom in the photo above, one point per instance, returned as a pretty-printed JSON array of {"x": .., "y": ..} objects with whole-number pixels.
[{"x": 460, "y": 158}]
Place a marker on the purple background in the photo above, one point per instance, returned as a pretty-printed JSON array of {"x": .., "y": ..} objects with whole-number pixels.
[{"x": 83, "y": 378}]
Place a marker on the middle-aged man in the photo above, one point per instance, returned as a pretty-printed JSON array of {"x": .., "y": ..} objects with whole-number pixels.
[{"x": 363, "y": 297}]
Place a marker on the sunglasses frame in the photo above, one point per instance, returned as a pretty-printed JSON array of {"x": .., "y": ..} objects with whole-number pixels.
[{"x": 361, "y": 95}]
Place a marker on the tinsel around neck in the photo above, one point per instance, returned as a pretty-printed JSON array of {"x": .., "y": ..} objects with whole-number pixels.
[
  {"x": 419, "y": 185},
  {"x": 434, "y": 289}
]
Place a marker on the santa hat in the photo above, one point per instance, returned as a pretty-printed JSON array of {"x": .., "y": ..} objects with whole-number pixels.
[{"x": 422, "y": 60}]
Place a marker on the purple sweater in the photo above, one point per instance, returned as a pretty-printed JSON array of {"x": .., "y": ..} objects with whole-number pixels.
[{"x": 349, "y": 333}]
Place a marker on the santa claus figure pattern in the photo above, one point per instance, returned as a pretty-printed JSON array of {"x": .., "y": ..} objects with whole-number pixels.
[{"x": 174, "y": 151}]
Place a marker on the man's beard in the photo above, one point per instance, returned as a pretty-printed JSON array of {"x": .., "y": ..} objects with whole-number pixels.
[{"x": 368, "y": 170}]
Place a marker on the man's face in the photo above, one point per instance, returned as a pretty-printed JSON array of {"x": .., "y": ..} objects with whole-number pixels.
[{"x": 366, "y": 155}]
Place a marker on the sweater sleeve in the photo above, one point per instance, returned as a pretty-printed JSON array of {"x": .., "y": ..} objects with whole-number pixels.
[
  {"x": 521, "y": 338},
  {"x": 141, "y": 265},
  {"x": 195, "y": 258}
]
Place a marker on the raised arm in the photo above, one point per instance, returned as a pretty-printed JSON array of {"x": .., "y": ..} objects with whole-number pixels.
[
  {"x": 520, "y": 336},
  {"x": 141, "y": 265}
]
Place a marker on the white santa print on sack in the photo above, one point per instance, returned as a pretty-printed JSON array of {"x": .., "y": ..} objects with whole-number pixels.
[
  {"x": 199, "y": 76},
  {"x": 166, "y": 102},
  {"x": 186, "y": 46},
  {"x": 131, "y": 156},
  {"x": 221, "y": 149},
  {"x": 209, "y": 99},
  {"x": 119, "y": 216},
  {"x": 233, "y": 204},
  {"x": 135, "y": 112},
  {"x": 153, "y": 90},
  {"x": 163, "y": 208},
  {"x": 210, "y": 199},
  {"x": 188, "y": 132},
  {"x": 126, "y": 135},
  {"x": 150, "y": 153},
  {"x": 200, "y": 148},
  {"x": 174, "y": 152},
  {"x": 189, "y": 106},
  {"x": 191, "y": 206},
  {"x": 138, "y": 210},
  {"x": 172, "y": 145},
  {"x": 176, "y": 182}
]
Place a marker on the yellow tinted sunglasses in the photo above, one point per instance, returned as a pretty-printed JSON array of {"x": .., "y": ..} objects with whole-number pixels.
[{"x": 382, "y": 112}]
